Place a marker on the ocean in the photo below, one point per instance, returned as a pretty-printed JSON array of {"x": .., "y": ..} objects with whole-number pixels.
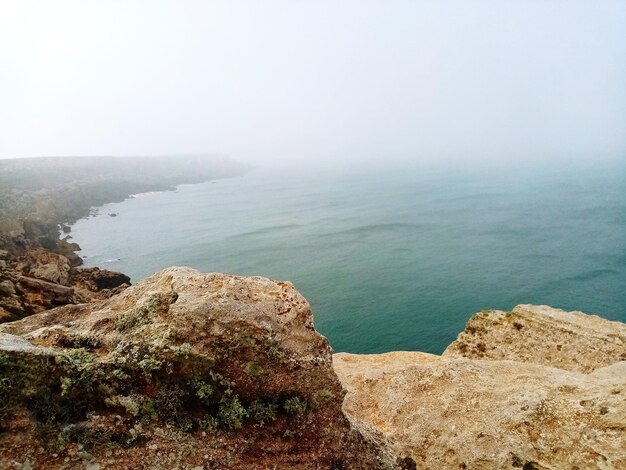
[{"x": 394, "y": 259}]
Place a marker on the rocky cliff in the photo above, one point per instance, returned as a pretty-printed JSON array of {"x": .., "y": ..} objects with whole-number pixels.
[
  {"x": 182, "y": 370},
  {"x": 535, "y": 388},
  {"x": 188, "y": 370}
]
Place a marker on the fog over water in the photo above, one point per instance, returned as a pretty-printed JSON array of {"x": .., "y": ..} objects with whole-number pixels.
[
  {"x": 389, "y": 260},
  {"x": 352, "y": 82}
]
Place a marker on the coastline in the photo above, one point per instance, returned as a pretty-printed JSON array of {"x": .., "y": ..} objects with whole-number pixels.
[{"x": 42, "y": 198}]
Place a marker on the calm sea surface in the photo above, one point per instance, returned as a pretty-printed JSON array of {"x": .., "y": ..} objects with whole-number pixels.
[{"x": 397, "y": 260}]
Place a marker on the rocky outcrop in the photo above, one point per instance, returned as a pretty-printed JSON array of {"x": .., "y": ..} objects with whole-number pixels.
[
  {"x": 517, "y": 401},
  {"x": 542, "y": 335},
  {"x": 182, "y": 370},
  {"x": 45, "y": 265},
  {"x": 40, "y": 279}
]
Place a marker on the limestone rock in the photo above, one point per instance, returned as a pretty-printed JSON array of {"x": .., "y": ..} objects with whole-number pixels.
[
  {"x": 181, "y": 370},
  {"x": 542, "y": 335},
  {"x": 458, "y": 413}
]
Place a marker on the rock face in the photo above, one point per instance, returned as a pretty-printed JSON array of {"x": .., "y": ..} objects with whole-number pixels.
[
  {"x": 506, "y": 406},
  {"x": 45, "y": 265},
  {"x": 542, "y": 335},
  {"x": 182, "y": 370},
  {"x": 39, "y": 279}
]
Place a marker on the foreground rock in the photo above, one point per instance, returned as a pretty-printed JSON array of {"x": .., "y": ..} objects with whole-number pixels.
[
  {"x": 452, "y": 412},
  {"x": 542, "y": 335},
  {"x": 182, "y": 370}
]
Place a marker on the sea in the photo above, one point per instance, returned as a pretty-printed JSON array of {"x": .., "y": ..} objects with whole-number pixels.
[{"x": 389, "y": 258}]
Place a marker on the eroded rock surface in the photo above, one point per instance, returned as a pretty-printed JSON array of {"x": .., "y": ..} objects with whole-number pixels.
[
  {"x": 182, "y": 370},
  {"x": 542, "y": 335},
  {"x": 453, "y": 413},
  {"x": 516, "y": 401}
]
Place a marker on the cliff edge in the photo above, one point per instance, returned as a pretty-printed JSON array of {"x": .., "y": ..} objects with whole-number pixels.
[
  {"x": 535, "y": 388},
  {"x": 189, "y": 370}
]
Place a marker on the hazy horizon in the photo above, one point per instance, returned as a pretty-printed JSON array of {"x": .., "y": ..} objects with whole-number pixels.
[{"x": 420, "y": 83}]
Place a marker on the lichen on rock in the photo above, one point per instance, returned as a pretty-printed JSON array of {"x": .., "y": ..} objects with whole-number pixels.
[{"x": 542, "y": 335}]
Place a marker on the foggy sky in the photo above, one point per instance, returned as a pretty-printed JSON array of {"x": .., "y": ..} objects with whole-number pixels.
[{"x": 315, "y": 80}]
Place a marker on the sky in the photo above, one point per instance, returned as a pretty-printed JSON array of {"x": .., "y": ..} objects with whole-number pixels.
[{"x": 316, "y": 81}]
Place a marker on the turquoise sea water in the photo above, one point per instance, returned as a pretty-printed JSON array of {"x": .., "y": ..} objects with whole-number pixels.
[{"x": 393, "y": 260}]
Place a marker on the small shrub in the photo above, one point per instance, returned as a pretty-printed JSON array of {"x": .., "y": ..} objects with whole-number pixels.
[
  {"x": 203, "y": 390},
  {"x": 321, "y": 397},
  {"x": 168, "y": 403},
  {"x": 148, "y": 413},
  {"x": 295, "y": 406},
  {"x": 276, "y": 353},
  {"x": 253, "y": 370},
  {"x": 261, "y": 412},
  {"x": 210, "y": 423},
  {"x": 133, "y": 319},
  {"x": 149, "y": 365},
  {"x": 81, "y": 341},
  {"x": 182, "y": 351},
  {"x": 231, "y": 413}
]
